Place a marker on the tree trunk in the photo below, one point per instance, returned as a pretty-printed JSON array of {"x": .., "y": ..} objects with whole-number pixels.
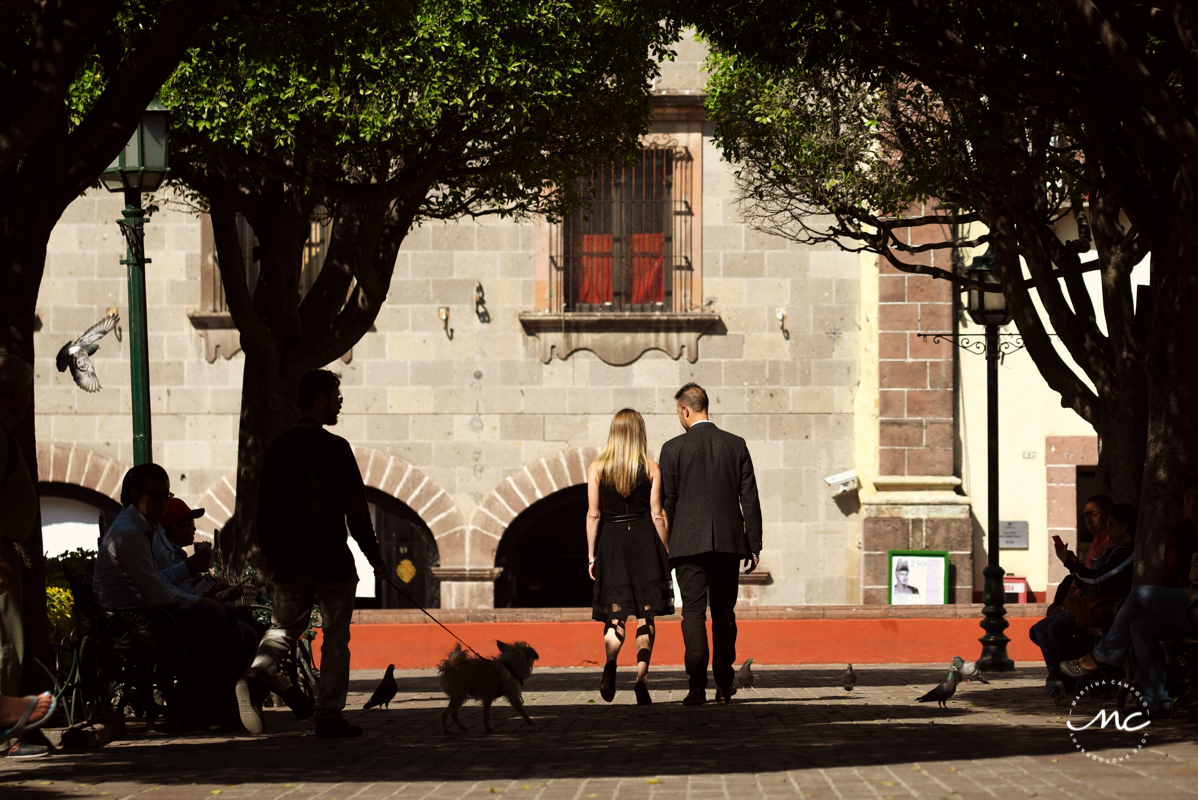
[
  {"x": 1172, "y": 432},
  {"x": 22, "y": 261},
  {"x": 269, "y": 406}
]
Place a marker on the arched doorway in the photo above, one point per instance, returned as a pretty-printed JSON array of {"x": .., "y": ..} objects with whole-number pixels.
[
  {"x": 410, "y": 552},
  {"x": 71, "y": 516},
  {"x": 543, "y": 553}
]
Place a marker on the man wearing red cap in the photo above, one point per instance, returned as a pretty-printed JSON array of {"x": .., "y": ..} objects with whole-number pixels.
[{"x": 178, "y": 531}]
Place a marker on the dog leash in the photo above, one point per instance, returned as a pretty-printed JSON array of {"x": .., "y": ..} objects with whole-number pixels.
[{"x": 408, "y": 597}]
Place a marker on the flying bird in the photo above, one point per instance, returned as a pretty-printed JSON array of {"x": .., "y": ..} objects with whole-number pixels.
[
  {"x": 942, "y": 693},
  {"x": 75, "y": 354},
  {"x": 744, "y": 675},
  {"x": 969, "y": 670},
  {"x": 850, "y": 679},
  {"x": 386, "y": 691}
]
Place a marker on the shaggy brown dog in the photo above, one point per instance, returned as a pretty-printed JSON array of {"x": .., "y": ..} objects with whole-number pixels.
[{"x": 485, "y": 680}]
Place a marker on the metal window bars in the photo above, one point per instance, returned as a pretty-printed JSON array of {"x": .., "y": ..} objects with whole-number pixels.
[{"x": 630, "y": 250}]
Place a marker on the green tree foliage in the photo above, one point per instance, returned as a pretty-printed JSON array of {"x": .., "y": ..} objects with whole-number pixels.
[
  {"x": 1015, "y": 115},
  {"x": 74, "y": 79},
  {"x": 375, "y": 117}
]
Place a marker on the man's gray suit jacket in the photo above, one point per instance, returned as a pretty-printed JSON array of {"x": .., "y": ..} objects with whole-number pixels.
[{"x": 709, "y": 493}]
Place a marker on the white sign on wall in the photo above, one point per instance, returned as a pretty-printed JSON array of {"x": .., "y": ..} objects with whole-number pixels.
[{"x": 1012, "y": 535}]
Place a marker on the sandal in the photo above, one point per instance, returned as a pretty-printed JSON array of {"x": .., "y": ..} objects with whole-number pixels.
[
  {"x": 607, "y": 687},
  {"x": 1074, "y": 668},
  {"x": 23, "y": 725},
  {"x": 642, "y": 694}
]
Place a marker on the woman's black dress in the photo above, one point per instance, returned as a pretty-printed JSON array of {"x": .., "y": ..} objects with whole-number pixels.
[{"x": 632, "y": 570}]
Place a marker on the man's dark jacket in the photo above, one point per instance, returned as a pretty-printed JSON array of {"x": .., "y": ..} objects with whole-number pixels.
[
  {"x": 709, "y": 493},
  {"x": 311, "y": 489}
]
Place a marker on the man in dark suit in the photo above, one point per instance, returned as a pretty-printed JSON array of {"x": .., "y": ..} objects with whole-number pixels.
[{"x": 709, "y": 495}]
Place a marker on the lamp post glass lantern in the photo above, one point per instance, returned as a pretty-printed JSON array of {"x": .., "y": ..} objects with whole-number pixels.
[
  {"x": 140, "y": 167},
  {"x": 990, "y": 310}
]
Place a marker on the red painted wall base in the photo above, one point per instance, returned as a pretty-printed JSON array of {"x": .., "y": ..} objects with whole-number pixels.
[{"x": 769, "y": 641}]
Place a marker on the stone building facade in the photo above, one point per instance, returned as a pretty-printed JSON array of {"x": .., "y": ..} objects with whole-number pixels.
[{"x": 476, "y": 403}]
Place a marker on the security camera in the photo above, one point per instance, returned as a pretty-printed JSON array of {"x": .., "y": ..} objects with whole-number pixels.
[{"x": 844, "y": 481}]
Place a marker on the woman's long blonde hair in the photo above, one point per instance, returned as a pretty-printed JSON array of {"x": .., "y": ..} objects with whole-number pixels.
[{"x": 622, "y": 458}]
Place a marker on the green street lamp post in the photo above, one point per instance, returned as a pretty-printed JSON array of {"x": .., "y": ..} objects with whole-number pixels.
[
  {"x": 140, "y": 167},
  {"x": 990, "y": 310}
]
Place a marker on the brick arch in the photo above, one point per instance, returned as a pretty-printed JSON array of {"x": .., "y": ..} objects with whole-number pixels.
[
  {"x": 57, "y": 463},
  {"x": 517, "y": 492},
  {"x": 391, "y": 476}
]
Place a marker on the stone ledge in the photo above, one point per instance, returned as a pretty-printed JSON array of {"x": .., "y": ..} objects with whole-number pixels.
[
  {"x": 467, "y": 573},
  {"x": 367, "y": 616},
  {"x": 618, "y": 338},
  {"x": 915, "y": 490}
]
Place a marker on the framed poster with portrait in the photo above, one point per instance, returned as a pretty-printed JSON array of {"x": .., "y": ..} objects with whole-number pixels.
[{"x": 917, "y": 578}]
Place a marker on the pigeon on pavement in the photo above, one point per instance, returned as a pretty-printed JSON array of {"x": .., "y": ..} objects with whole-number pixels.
[
  {"x": 744, "y": 676},
  {"x": 75, "y": 354},
  {"x": 386, "y": 691},
  {"x": 969, "y": 670},
  {"x": 944, "y": 691},
  {"x": 850, "y": 679}
]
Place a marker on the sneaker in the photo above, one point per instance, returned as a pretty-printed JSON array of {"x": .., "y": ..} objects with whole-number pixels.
[
  {"x": 22, "y": 750},
  {"x": 337, "y": 729},
  {"x": 250, "y": 694}
]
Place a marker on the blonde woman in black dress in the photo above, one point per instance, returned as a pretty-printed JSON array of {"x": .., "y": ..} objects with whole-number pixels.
[{"x": 628, "y": 540}]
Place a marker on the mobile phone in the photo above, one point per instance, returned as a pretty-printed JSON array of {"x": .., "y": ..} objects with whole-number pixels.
[
  {"x": 1057, "y": 540},
  {"x": 205, "y": 585}
]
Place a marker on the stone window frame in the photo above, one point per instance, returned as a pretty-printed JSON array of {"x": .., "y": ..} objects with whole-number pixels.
[{"x": 620, "y": 338}]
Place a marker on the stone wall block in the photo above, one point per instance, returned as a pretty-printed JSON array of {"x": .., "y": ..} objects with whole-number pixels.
[
  {"x": 902, "y": 433},
  {"x": 78, "y": 466},
  {"x": 577, "y": 466},
  {"x": 558, "y": 473},
  {"x": 451, "y": 548},
  {"x": 409, "y": 486},
  {"x": 507, "y": 493},
  {"x": 482, "y": 521},
  {"x": 492, "y": 506},
  {"x": 522, "y": 483},
  {"x": 930, "y": 461},
  {"x": 542, "y": 479},
  {"x": 879, "y": 534},
  {"x": 954, "y": 535},
  {"x": 480, "y": 549}
]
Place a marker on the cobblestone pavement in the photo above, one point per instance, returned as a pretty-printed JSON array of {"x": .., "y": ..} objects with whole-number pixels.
[{"x": 797, "y": 735}]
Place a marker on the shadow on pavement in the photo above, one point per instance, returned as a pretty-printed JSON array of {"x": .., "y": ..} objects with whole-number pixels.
[{"x": 575, "y": 739}]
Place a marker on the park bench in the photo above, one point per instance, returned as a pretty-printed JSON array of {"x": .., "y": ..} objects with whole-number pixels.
[{"x": 127, "y": 656}]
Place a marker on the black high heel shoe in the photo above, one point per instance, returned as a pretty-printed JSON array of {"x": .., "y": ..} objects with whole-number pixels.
[
  {"x": 607, "y": 687},
  {"x": 642, "y": 694}
]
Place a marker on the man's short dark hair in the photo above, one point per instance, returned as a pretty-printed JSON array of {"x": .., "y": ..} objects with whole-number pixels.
[
  {"x": 315, "y": 384},
  {"x": 693, "y": 397},
  {"x": 1103, "y": 502},
  {"x": 1191, "y": 482},
  {"x": 137, "y": 479}
]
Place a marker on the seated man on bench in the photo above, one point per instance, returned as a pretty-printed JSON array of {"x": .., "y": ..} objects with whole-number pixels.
[{"x": 126, "y": 576}]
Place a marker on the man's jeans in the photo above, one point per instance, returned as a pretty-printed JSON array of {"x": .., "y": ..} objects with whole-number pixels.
[
  {"x": 1150, "y": 614},
  {"x": 1059, "y": 638},
  {"x": 290, "y": 612}
]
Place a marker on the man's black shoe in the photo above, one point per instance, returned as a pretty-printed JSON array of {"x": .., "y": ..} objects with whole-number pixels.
[
  {"x": 300, "y": 704},
  {"x": 696, "y": 697},
  {"x": 337, "y": 729},
  {"x": 724, "y": 696}
]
